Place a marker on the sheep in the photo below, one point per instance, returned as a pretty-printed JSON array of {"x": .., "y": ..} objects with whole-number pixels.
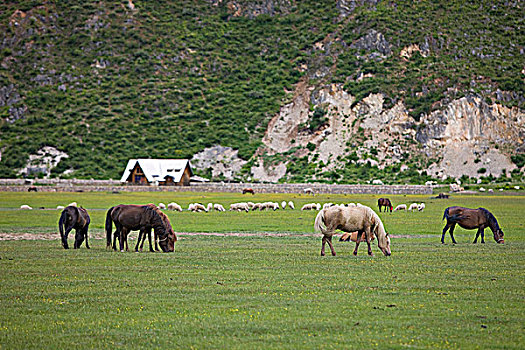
[
  {"x": 309, "y": 206},
  {"x": 161, "y": 206},
  {"x": 73, "y": 204},
  {"x": 250, "y": 205},
  {"x": 421, "y": 206},
  {"x": 257, "y": 206},
  {"x": 401, "y": 207},
  {"x": 60, "y": 207},
  {"x": 283, "y": 205},
  {"x": 191, "y": 207},
  {"x": 25, "y": 207},
  {"x": 209, "y": 207},
  {"x": 199, "y": 207},
  {"x": 328, "y": 205},
  {"x": 218, "y": 207},
  {"x": 239, "y": 207},
  {"x": 309, "y": 190},
  {"x": 174, "y": 206},
  {"x": 291, "y": 205},
  {"x": 413, "y": 207}
]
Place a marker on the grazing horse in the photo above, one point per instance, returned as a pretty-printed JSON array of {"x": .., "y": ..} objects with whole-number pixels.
[
  {"x": 248, "y": 190},
  {"x": 384, "y": 202},
  {"x": 349, "y": 219},
  {"x": 142, "y": 235},
  {"x": 470, "y": 219},
  {"x": 136, "y": 217},
  {"x": 74, "y": 218}
]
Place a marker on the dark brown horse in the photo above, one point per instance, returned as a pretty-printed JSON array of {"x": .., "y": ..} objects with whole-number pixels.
[
  {"x": 136, "y": 217},
  {"x": 384, "y": 202},
  {"x": 248, "y": 190},
  {"x": 470, "y": 219},
  {"x": 74, "y": 218},
  {"x": 142, "y": 235}
]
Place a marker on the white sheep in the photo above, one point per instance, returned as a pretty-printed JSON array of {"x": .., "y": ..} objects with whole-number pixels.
[
  {"x": 401, "y": 207},
  {"x": 25, "y": 207},
  {"x": 413, "y": 207},
  {"x": 174, "y": 206},
  {"x": 283, "y": 205},
  {"x": 191, "y": 207},
  {"x": 218, "y": 207},
  {"x": 421, "y": 206},
  {"x": 162, "y": 206},
  {"x": 209, "y": 207},
  {"x": 73, "y": 204},
  {"x": 239, "y": 207},
  {"x": 291, "y": 205},
  {"x": 60, "y": 207},
  {"x": 199, "y": 207},
  {"x": 309, "y": 190},
  {"x": 309, "y": 206}
]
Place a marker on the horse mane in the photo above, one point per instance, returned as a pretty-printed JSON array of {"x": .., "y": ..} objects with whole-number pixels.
[{"x": 490, "y": 218}]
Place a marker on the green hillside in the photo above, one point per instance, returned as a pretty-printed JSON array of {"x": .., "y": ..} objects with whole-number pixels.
[{"x": 104, "y": 82}]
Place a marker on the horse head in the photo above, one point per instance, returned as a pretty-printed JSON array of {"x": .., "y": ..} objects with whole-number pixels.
[
  {"x": 384, "y": 245},
  {"x": 498, "y": 236}
]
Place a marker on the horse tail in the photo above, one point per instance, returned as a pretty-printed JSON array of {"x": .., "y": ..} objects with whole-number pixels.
[
  {"x": 109, "y": 227},
  {"x": 452, "y": 218},
  {"x": 61, "y": 222},
  {"x": 445, "y": 215},
  {"x": 319, "y": 224}
]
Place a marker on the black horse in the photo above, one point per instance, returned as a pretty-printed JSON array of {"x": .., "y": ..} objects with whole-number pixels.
[
  {"x": 470, "y": 219},
  {"x": 74, "y": 218},
  {"x": 137, "y": 217},
  {"x": 384, "y": 202}
]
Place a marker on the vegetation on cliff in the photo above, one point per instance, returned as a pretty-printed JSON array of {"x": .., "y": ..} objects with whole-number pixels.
[{"x": 108, "y": 81}]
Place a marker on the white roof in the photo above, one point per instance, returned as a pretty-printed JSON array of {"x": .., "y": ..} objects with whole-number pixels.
[{"x": 158, "y": 169}]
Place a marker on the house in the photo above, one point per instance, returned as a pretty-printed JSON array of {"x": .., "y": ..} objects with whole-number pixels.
[{"x": 161, "y": 172}]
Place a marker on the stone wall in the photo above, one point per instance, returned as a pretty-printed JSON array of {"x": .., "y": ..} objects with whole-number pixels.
[{"x": 115, "y": 186}]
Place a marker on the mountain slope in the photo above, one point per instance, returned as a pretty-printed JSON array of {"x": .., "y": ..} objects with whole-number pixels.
[{"x": 104, "y": 81}]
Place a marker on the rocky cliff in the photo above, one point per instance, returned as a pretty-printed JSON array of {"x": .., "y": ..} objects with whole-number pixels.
[{"x": 467, "y": 137}]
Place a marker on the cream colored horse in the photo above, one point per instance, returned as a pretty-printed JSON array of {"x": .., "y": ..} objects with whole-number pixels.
[{"x": 348, "y": 219}]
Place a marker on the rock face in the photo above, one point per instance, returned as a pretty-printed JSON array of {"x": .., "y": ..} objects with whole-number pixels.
[
  {"x": 468, "y": 137},
  {"x": 43, "y": 161},
  {"x": 223, "y": 161}
]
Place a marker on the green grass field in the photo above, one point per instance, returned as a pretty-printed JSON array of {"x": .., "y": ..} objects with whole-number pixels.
[{"x": 262, "y": 291}]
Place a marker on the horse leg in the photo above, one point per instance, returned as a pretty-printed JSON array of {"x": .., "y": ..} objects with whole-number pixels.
[
  {"x": 79, "y": 238},
  {"x": 123, "y": 237},
  {"x": 142, "y": 236},
  {"x": 322, "y": 247},
  {"x": 85, "y": 233},
  {"x": 358, "y": 240},
  {"x": 451, "y": 231},
  {"x": 64, "y": 237},
  {"x": 331, "y": 245},
  {"x": 482, "y": 229},
  {"x": 447, "y": 226},
  {"x": 367, "y": 236},
  {"x": 155, "y": 238},
  {"x": 149, "y": 241}
]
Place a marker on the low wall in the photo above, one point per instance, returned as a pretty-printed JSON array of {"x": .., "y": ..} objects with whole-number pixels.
[{"x": 115, "y": 186}]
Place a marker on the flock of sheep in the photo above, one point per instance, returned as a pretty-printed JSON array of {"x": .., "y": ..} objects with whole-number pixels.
[
  {"x": 412, "y": 207},
  {"x": 250, "y": 206}
]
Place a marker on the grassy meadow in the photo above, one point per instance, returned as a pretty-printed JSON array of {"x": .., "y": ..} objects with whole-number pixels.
[{"x": 261, "y": 290}]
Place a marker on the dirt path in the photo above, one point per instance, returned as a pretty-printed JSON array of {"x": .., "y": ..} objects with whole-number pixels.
[{"x": 100, "y": 235}]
